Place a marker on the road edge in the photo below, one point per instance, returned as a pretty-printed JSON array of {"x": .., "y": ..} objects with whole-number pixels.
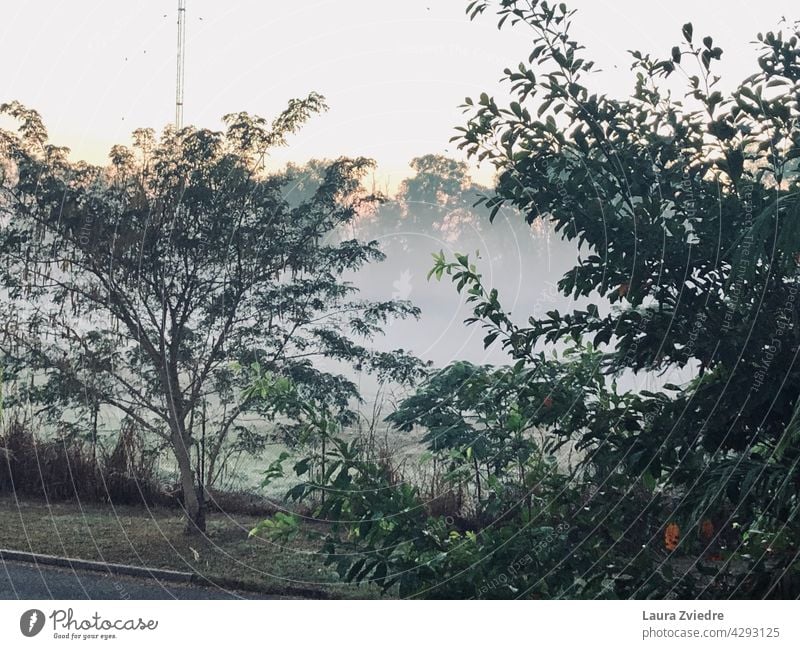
[
  {"x": 159, "y": 574},
  {"x": 96, "y": 566}
]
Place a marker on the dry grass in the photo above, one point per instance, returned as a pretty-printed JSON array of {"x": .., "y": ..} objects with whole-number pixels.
[
  {"x": 154, "y": 538},
  {"x": 64, "y": 467}
]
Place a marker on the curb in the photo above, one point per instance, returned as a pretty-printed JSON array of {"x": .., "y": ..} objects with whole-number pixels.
[
  {"x": 158, "y": 574},
  {"x": 97, "y": 566},
  {"x": 245, "y": 586}
]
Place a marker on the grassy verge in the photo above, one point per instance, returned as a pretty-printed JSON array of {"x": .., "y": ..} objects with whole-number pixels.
[{"x": 154, "y": 538}]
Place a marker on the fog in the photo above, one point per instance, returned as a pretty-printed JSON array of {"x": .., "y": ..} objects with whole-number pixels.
[{"x": 524, "y": 263}]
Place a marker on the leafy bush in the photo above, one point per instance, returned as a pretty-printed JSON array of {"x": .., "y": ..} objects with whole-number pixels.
[{"x": 686, "y": 214}]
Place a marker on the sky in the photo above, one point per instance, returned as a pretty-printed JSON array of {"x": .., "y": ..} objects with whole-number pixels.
[{"x": 393, "y": 73}]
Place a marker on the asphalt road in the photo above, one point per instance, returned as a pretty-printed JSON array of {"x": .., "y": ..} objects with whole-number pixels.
[{"x": 28, "y": 581}]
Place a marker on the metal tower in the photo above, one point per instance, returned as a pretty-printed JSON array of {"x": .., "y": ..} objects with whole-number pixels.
[{"x": 181, "y": 60}]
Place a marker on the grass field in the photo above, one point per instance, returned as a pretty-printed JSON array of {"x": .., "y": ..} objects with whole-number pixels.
[{"x": 154, "y": 538}]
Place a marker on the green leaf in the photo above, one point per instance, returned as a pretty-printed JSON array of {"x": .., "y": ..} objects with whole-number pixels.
[{"x": 648, "y": 481}]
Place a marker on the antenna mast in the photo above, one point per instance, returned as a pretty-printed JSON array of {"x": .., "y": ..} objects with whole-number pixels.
[{"x": 181, "y": 60}]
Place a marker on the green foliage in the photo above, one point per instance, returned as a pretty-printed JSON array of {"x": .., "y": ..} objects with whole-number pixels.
[
  {"x": 438, "y": 180},
  {"x": 534, "y": 531},
  {"x": 685, "y": 211},
  {"x": 281, "y": 528},
  {"x": 573, "y": 546},
  {"x": 666, "y": 202},
  {"x": 685, "y": 214},
  {"x": 144, "y": 285}
]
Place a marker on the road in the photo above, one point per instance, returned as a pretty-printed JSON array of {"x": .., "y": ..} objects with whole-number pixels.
[{"x": 28, "y": 581}]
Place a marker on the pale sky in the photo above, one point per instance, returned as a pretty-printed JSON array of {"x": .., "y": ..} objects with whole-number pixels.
[{"x": 393, "y": 73}]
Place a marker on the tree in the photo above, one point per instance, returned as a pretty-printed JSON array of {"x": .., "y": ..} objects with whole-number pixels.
[
  {"x": 527, "y": 529},
  {"x": 157, "y": 286},
  {"x": 686, "y": 214},
  {"x": 438, "y": 179},
  {"x": 489, "y": 425}
]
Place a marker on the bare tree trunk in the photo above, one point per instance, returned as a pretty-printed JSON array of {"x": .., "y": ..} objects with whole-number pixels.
[
  {"x": 95, "y": 409},
  {"x": 322, "y": 477},
  {"x": 195, "y": 523},
  {"x": 477, "y": 478}
]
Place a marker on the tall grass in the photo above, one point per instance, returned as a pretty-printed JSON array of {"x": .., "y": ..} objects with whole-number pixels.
[{"x": 65, "y": 467}]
